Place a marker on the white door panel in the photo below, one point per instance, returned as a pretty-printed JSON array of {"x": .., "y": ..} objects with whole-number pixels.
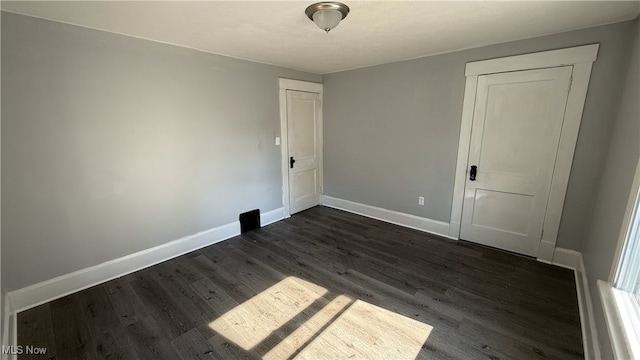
[
  {"x": 515, "y": 134},
  {"x": 502, "y": 211},
  {"x": 303, "y": 132}
]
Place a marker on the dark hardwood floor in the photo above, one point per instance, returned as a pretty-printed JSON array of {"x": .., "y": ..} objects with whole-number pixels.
[{"x": 482, "y": 303}]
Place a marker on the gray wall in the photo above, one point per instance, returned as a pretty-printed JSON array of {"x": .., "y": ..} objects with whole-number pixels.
[
  {"x": 111, "y": 145},
  {"x": 613, "y": 193},
  {"x": 3, "y": 315},
  {"x": 391, "y": 131}
]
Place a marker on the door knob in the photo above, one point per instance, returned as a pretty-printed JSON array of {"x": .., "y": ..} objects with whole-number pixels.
[
  {"x": 291, "y": 161},
  {"x": 473, "y": 172}
]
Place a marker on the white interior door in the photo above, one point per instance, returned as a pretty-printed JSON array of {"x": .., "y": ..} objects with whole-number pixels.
[
  {"x": 303, "y": 125},
  {"x": 515, "y": 134}
]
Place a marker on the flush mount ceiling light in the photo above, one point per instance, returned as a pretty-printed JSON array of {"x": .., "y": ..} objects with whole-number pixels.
[{"x": 328, "y": 14}]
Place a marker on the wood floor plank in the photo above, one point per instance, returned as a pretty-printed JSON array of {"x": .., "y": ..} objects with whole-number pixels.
[
  {"x": 228, "y": 350},
  {"x": 361, "y": 262},
  {"x": 71, "y": 331},
  {"x": 37, "y": 330},
  {"x": 441, "y": 345},
  {"x": 193, "y": 346},
  {"x": 411, "y": 262},
  {"x": 109, "y": 338},
  {"x": 403, "y": 303},
  {"x": 342, "y": 241},
  {"x": 311, "y": 270},
  {"x": 125, "y": 301},
  {"x": 161, "y": 306},
  {"x": 149, "y": 341},
  {"x": 176, "y": 280},
  {"x": 516, "y": 346},
  {"x": 114, "y": 345},
  {"x": 275, "y": 291},
  {"x": 98, "y": 309},
  {"x": 241, "y": 285},
  {"x": 509, "y": 316},
  {"x": 214, "y": 296}
]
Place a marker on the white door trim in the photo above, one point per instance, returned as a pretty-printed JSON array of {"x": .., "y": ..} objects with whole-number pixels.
[
  {"x": 581, "y": 58},
  {"x": 553, "y": 58},
  {"x": 297, "y": 85}
]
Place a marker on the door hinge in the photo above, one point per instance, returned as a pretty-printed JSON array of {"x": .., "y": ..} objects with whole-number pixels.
[
  {"x": 570, "y": 83},
  {"x": 542, "y": 234}
]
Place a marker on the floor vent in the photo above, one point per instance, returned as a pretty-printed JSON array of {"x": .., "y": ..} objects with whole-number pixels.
[{"x": 249, "y": 221}]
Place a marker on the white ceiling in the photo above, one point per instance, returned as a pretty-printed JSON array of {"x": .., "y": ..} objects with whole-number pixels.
[{"x": 374, "y": 32}]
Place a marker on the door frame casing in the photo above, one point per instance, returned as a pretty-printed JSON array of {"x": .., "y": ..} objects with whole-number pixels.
[
  {"x": 296, "y": 85},
  {"x": 581, "y": 58}
]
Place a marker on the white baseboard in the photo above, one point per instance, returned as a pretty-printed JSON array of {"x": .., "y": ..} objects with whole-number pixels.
[
  {"x": 439, "y": 228},
  {"x": 9, "y": 327},
  {"x": 5, "y": 323},
  {"x": 272, "y": 216},
  {"x": 43, "y": 292},
  {"x": 566, "y": 258},
  {"x": 546, "y": 252},
  {"x": 587, "y": 320}
]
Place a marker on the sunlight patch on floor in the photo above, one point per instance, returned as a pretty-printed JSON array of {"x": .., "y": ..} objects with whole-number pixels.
[
  {"x": 362, "y": 331},
  {"x": 366, "y": 331},
  {"x": 292, "y": 343},
  {"x": 254, "y": 320}
]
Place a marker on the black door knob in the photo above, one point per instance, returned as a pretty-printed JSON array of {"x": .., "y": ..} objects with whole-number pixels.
[
  {"x": 291, "y": 161},
  {"x": 473, "y": 172}
]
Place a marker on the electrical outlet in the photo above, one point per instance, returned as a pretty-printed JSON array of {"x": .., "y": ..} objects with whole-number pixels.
[{"x": 421, "y": 200}]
